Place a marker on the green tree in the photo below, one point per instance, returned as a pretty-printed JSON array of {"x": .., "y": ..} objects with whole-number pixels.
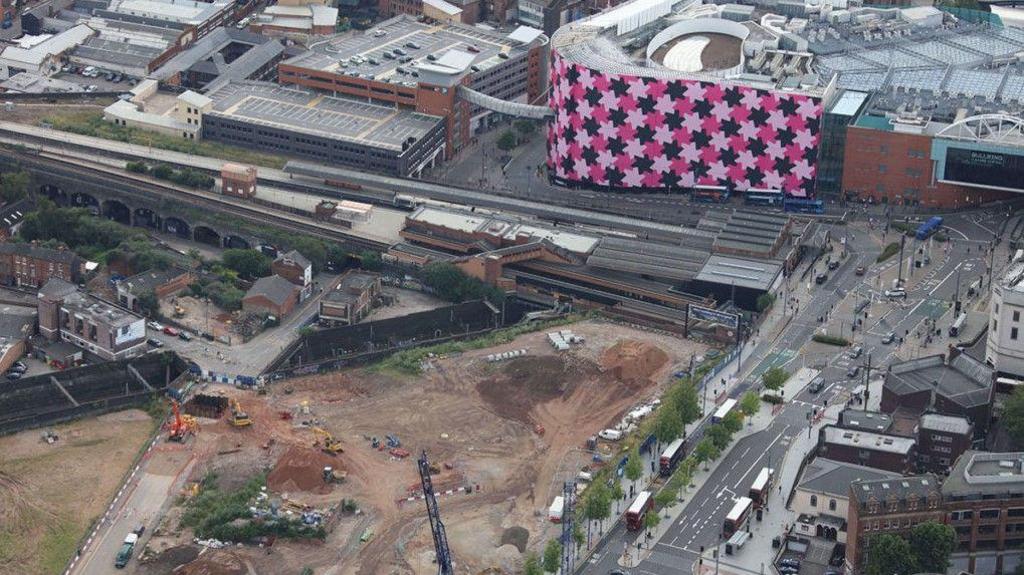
[
  {"x": 578, "y": 538},
  {"x": 634, "y": 468},
  {"x": 532, "y": 566},
  {"x": 249, "y": 264},
  {"x": 597, "y": 504},
  {"x": 370, "y": 260},
  {"x": 774, "y": 378},
  {"x": 651, "y": 521},
  {"x": 889, "y": 555},
  {"x": 750, "y": 404},
  {"x": 507, "y": 140},
  {"x": 765, "y": 301},
  {"x": 1013, "y": 415},
  {"x": 552, "y": 556},
  {"x": 148, "y": 302},
  {"x": 14, "y": 185},
  {"x": 732, "y": 422},
  {"x": 668, "y": 424},
  {"x": 706, "y": 451},
  {"x": 684, "y": 397},
  {"x": 616, "y": 493},
  {"x": 525, "y": 127},
  {"x": 665, "y": 498},
  {"x": 719, "y": 435},
  {"x": 314, "y": 250},
  {"x": 450, "y": 283},
  {"x": 932, "y": 543}
]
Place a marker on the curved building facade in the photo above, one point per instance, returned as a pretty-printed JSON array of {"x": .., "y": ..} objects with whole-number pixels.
[{"x": 625, "y": 126}]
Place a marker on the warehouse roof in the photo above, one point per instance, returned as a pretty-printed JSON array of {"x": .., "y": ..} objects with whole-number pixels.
[
  {"x": 964, "y": 380},
  {"x": 275, "y": 288},
  {"x": 57, "y": 44},
  {"x": 648, "y": 258},
  {"x": 743, "y": 273},
  {"x": 947, "y": 423}
]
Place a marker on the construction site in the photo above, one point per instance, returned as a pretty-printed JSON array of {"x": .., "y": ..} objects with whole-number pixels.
[{"x": 503, "y": 428}]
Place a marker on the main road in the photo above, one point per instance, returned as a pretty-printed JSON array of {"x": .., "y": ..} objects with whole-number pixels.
[{"x": 700, "y": 523}]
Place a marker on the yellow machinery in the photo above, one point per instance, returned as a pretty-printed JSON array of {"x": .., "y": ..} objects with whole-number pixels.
[
  {"x": 239, "y": 418},
  {"x": 330, "y": 445}
]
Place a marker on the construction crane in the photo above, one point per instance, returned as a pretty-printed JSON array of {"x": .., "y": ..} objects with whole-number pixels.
[
  {"x": 239, "y": 418},
  {"x": 444, "y": 556},
  {"x": 330, "y": 445},
  {"x": 181, "y": 425},
  {"x": 568, "y": 543}
]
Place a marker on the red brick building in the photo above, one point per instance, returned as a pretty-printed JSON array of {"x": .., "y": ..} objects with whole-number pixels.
[
  {"x": 941, "y": 439},
  {"x": 877, "y": 450},
  {"x": 238, "y": 180},
  {"x": 30, "y": 265},
  {"x": 891, "y": 506},
  {"x": 295, "y": 268},
  {"x": 272, "y": 295},
  {"x": 884, "y": 164},
  {"x": 352, "y": 299}
]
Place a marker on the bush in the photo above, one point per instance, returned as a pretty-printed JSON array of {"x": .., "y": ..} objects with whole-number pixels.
[
  {"x": 772, "y": 398},
  {"x": 889, "y": 251},
  {"x": 830, "y": 339},
  {"x": 507, "y": 140},
  {"x": 765, "y": 301},
  {"x": 451, "y": 284},
  {"x": 137, "y": 167}
]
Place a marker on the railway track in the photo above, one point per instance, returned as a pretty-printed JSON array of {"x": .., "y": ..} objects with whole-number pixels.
[{"x": 112, "y": 178}]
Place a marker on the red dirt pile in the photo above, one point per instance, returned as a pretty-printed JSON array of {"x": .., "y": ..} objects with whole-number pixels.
[
  {"x": 214, "y": 563},
  {"x": 527, "y": 382},
  {"x": 630, "y": 360},
  {"x": 301, "y": 469}
]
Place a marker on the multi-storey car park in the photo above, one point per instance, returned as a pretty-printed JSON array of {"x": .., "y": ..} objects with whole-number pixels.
[
  {"x": 430, "y": 69},
  {"x": 887, "y": 105}
]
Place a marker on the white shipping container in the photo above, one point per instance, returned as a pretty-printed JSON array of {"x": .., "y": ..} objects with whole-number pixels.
[{"x": 555, "y": 511}]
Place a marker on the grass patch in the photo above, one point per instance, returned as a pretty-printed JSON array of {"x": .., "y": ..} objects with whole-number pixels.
[
  {"x": 91, "y": 123},
  {"x": 830, "y": 339},
  {"x": 59, "y": 543},
  {"x": 408, "y": 361},
  {"x": 889, "y": 251}
]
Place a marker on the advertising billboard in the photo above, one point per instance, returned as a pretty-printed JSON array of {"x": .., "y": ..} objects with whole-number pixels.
[
  {"x": 707, "y": 314},
  {"x": 984, "y": 168},
  {"x": 649, "y": 134}
]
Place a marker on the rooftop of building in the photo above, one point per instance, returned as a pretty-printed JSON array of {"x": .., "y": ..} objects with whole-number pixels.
[
  {"x": 149, "y": 280},
  {"x": 964, "y": 380},
  {"x": 12, "y": 214},
  {"x": 316, "y": 114},
  {"x": 357, "y": 280},
  {"x": 30, "y": 83},
  {"x": 275, "y": 288},
  {"x": 899, "y": 488},
  {"x": 296, "y": 257},
  {"x": 868, "y": 440},
  {"x": 757, "y": 274},
  {"x": 207, "y": 52},
  {"x": 191, "y": 12},
  {"x": 56, "y": 288},
  {"x": 88, "y": 306},
  {"x": 446, "y": 49},
  {"x": 300, "y": 19},
  {"x": 17, "y": 322},
  {"x": 1013, "y": 276},
  {"x": 39, "y": 252},
  {"x": 823, "y": 475},
  {"x": 982, "y": 473},
  {"x": 859, "y": 419},
  {"x": 750, "y": 231},
  {"x": 945, "y": 423},
  {"x": 39, "y": 48}
]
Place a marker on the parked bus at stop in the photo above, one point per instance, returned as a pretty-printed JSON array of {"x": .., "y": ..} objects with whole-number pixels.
[
  {"x": 670, "y": 457},
  {"x": 762, "y": 486},
  {"x": 736, "y": 520},
  {"x": 723, "y": 410},
  {"x": 638, "y": 510}
]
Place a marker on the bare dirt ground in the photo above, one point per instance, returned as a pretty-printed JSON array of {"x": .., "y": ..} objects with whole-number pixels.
[
  {"x": 510, "y": 431},
  {"x": 32, "y": 113},
  {"x": 200, "y": 316},
  {"x": 406, "y": 302},
  {"x": 44, "y": 505}
]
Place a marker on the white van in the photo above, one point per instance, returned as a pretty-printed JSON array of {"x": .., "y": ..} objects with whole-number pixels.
[{"x": 610, "y": 434}]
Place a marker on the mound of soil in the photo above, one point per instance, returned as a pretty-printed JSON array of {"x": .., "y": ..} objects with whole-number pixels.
[
  {"x": 301, "y": 469},
  {"x": 168, "y": 559},
  {"x": 214, "y": 563},
  {"x": 517, "y": 536},
  {"x": 526, "y": 382},
  {"x": 630, "y": 360}
]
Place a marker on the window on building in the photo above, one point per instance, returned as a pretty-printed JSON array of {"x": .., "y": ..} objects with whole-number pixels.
[
  {"x": 814, "y": 500},
  {"x": 1013, "y": 333},
  {"x": 995, "y": 325},
  {"x": 1016, "y": 316},
  {"x": 882, "y": 168},
  {"x": 989, "y": 514},
  {"x": 831, "y": 504}
]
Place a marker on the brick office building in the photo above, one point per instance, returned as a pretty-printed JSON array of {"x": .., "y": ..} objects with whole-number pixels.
[
  {"x": 941, "y": 439},
  {"x": 891, "y": 506},
  {"x": 960, "y": 387},
  {"x": 29, "y": 265},
  {"x": 271, "y": 295},
  {"x": 295, "y": 268},
  {"x": 69, "y": 315},
  {"x": 352, "y": 300}
]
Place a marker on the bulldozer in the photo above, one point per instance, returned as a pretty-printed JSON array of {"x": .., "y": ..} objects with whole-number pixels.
[
  {"x": 330, "y": 445},
  {"x": 238, "y": 417}
]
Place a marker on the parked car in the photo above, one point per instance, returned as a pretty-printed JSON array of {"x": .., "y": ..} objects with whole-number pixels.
[
  {"x": 853, "y": 372},
  {"x": 789, "y": 562},
  {"x": 184, "y": 336},
  {"x": 16, "y": 369},
  {"x": 856, "y": 352},
  {"x": 155, "y": 325},
  {"x": 13, "y": 376},
  {"x": 155, "y": 342},
  {"x": 833, "y": 265},
  {"x": 171, "y": 331},
  {"x": 20, "y": 365},
  {"x": 889, "y": 338},
  {"x": 820, "y": 279},
  {"x": 789, "y": 570},
  {"x": 896, "y": 293},
  {"x": 861, "y": 270},
  {"x": 817, "y": 385}
]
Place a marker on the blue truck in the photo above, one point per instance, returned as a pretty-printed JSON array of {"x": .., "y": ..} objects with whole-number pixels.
[{"x": 928, "y": 228}]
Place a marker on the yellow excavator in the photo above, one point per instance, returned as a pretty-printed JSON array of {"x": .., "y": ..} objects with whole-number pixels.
[
  {"x": 239, "y": 418},
  {"x": 330, "y": 445}
]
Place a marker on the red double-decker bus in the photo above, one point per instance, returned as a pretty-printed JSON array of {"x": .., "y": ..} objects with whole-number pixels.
[
  {"x": 638, "y": 510},
  {"x": 737, "y": 517},
  {"x": 670, "y": 457}
]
